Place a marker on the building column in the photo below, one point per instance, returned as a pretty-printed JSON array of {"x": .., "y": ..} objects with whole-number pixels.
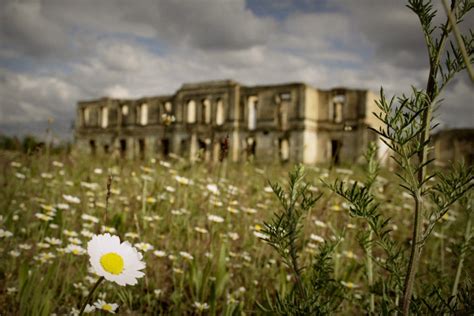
[{"x": 193, "y": 147}]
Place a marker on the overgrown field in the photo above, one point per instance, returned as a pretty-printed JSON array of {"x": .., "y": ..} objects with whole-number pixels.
[{"x": 200, "y": 229}]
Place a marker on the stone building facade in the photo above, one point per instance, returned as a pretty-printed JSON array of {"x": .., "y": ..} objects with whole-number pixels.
[
  {"x": 287, "y": 122},
  {"x": 453, "y": 145}
]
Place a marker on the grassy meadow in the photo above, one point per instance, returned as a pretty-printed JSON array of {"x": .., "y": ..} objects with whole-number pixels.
[{"x": 199, "y": 228}]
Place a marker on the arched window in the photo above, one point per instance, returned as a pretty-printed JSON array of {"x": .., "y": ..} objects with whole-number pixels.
[
  {"x": 168, "y": 107},
  {"x": 191, "y": 108},
  {"x": 284, "y": 149},
  {"x": 144, "y": 114},
  {"x": 124, "y": 110},
  {"x": 220, "y": 112},
  {"x": 206, "y": 111},
  {"x": 337, "y": 108},
  {"x": 252, "y": 112},
  {"x": 282, "y": 116},
  {"x": 86, "y": 113},
  {"x": 104, "y": 117}
]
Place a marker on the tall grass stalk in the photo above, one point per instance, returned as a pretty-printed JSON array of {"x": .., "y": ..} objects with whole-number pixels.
[
  {"x": 89, "y": 296},
  {"x": 419, "y": 186},
  {"x": 464, "y": 247}
]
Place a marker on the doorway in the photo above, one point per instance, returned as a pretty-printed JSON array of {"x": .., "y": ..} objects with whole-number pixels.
[
  {"x": 141, "y": 148},
  {"x": 165, "y": 147},
  {"x": 336, "y": 146},
  {"x": 93, "y": 147},
  {"x": 123, "y": 148}
]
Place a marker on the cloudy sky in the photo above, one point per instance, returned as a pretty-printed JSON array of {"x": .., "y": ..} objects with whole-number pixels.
[{"x": 56, "y": 52}]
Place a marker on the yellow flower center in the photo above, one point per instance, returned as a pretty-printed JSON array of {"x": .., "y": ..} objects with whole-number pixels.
[
  {"x": 112, "y": 263},
  {"x": 108, "y": 307}
]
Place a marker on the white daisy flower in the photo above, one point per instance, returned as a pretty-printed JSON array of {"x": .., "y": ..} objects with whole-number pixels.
[
  {"x": 74, "y": 240},
  {"x": 159, "y": 253},
  {"x": 317, "y": 238},
  {"x": 86, "y": 233},
  {"x": 132, "y": 235},
  {"x": 320, "y": 224},
  {"x": 250, "y": 210},
  {"x": 215, "y": 218},
  {"x": 350, "y": 285},
  {"x": 58, "y": 164},
  {"x": 75, "y": 250},
  {"x": 107, "y": 229},
  {"x": 200, "y": 306},
  {"x": 268, "y": 189},
  {"x": 90, "y": 218},
  {"x": 108, "y": 307},
  {"x": 5, "y": 233},
  {"x": 201, "y": 230},
  {"x": 183, "y": 180},
  {"x": 63, "y": 206},
  {"x": 70, "y": 233},
  {"x": 143, "y": 246},
  {"x": 15, "y": 164},
  {"x": 71, "y": 199},
  {"x": 213, "y": 189},
  {"x": 53, "y": 241},
  {"x": 115, "y": 261},
  {"x": 89, "y": 309},
  {"x": 233, "y": 236},
  {"x": 186, "y": 255},
  {"x": 43, "y": 217},
  {"x": 14, "y": 253},
  {"x": 261, "y": 235}
]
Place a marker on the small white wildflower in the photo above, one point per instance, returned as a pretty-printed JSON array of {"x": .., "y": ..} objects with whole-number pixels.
[
  {"x": 215, "y": 218},
  {"x": 75, "y": 250},
  {"x": 90, "y": 218},
  {"x": 108, "y": 307},
  {"x": 320, "y": 224},
  {"x": 201, "y": 230},
  {"x": 143, "y": 246},
  {"x": 63, "y": 206},
  {"x": 316, "y": 238},
  {"x": 213, "y": 189},
  {"x": 5, "y": 233},
  {"x": 233, "y": 236},
  {"x": 159, "y": 253},
  {"x": 201, "y": 306},
  {"x": 53, "y": 241},
  {"x": 186, "y": 255},
  {"x": 71, "y": 199},
  {"x": 14, "y": 253},
  {"x": 349, "y": 285}
]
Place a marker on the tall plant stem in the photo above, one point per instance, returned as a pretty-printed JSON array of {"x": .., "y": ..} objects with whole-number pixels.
[
  {"x": 91, "y": 292},
  {"x": 431, "y": 92},
  {"x": 415, "y": 254},
  {"x": 370, "y": 273},
  {"x": 467, "y": 238}
]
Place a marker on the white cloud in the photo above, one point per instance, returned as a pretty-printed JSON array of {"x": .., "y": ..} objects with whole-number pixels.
[
  {"x": 117, "y": 91},
  {"x": 30, "y": 97},
  {"x": 89, "y": 49}
]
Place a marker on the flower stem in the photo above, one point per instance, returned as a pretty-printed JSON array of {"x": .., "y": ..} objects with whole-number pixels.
[
  {"x": 370, "y": 274},
  {"x": 467, "y": 238},
  {"x": 91, "y": 292}
]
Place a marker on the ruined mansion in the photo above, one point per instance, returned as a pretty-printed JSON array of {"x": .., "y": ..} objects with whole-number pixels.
[{"x": 286, "y": 122}]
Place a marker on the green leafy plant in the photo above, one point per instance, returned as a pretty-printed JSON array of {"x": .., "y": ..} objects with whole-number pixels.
[
  {"x": 407, "y": 122},
  {"x": 314, "y": 290}
]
